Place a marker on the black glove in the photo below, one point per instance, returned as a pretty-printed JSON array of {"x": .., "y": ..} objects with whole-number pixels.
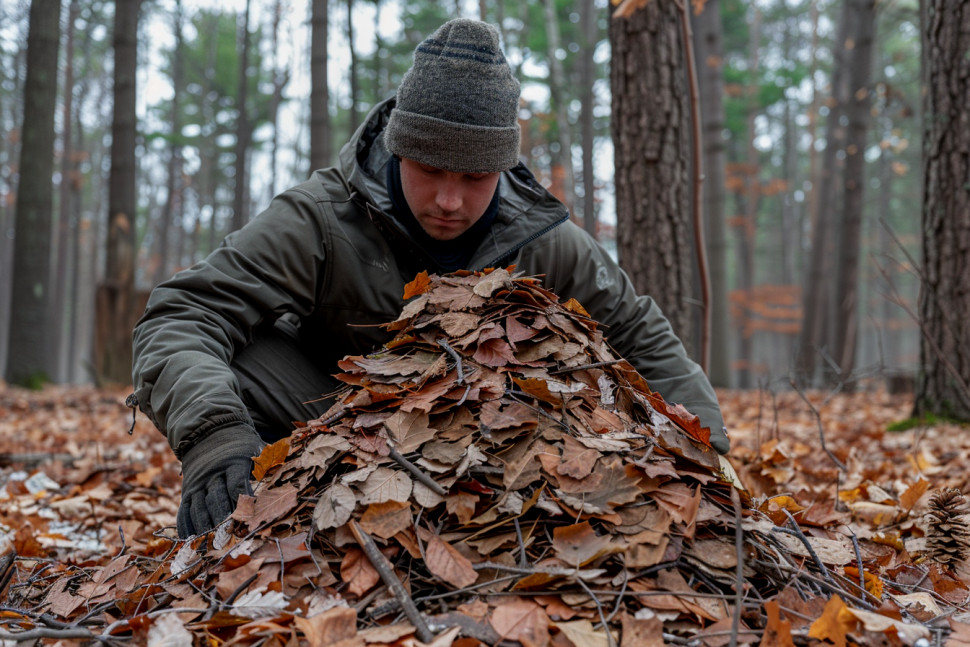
[{"x": 214, "y": 473}]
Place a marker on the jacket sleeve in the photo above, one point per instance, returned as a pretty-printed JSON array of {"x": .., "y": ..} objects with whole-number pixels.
[
  {"x": 196, "y": 321},
  {"x": 577, "y": 266}
]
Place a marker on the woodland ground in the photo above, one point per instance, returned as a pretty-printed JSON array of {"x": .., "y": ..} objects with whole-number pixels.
[{"x": 66, "y": 452}]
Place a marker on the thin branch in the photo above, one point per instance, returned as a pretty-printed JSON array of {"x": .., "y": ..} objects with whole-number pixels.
[
  {"x": 387, "y": 574},
  {"x": 739, "y": 571},
  {"x": 818, "y": 422},
  {"x": 418, "y": 473}
]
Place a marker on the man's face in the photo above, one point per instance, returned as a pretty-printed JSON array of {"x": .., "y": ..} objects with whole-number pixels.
[{"x": 444, "y": 203}]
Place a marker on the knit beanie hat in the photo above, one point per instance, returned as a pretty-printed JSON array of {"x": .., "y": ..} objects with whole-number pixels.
[{"x": 457, "y": 107}]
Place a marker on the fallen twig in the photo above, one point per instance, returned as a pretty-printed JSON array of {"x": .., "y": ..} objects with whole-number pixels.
[{"x": 386, "y": 571}]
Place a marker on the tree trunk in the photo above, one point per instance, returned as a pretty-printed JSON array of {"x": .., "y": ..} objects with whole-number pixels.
[
  {"x": 29, "y": 358},
  {"x": 557, "y": 82},
  {"x": 944, "y": 384},
  {"x": 240, "y": 198},
  {"x": 588, "y": 18},
  {"x": 709, "y": 47},
  {"x": 650, "y": 138},
  {"x": 115, "y": 298},
  {"x": 814, "y": 341},
  {"x": 846, "y": 328},
  {"x": 320, "y": 128},
  {"x": 172, "y": 210},
  {"x": 353, "y": 115},
  {"x": 66, "y": 263}
]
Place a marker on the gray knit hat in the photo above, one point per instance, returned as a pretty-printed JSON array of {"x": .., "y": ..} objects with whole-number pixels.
[{"x": 457, "y": 107}]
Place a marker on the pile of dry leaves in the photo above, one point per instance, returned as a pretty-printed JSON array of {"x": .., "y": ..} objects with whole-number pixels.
[{"x": 497, "y": 475}]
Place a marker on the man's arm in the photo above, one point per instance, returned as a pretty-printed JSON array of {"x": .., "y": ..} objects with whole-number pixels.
[
  {"x": 195, "y": 323},
  {"x": 576, "y": 266}
]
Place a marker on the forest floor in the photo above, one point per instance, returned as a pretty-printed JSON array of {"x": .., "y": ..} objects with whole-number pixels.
[{"x": 69, "y": 448}]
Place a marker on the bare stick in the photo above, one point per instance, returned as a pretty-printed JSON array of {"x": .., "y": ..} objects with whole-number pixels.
[
  {"x": 418, "y": 473},
  {"x": 599, "y": 609},
  {"x": 454, "y": 354},
  {"x": 386, "y": 572},
  {"x": 739, "y": 571},
  {"x": 818, "y": 422}
]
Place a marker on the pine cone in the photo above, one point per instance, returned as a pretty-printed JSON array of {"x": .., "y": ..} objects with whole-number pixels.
[{"x": 948, "y": 535}]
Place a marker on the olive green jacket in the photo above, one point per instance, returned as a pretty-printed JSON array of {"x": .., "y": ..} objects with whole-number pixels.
[{"x": 327, "y": 251}]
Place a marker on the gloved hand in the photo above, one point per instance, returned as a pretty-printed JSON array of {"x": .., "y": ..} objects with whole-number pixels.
[
  {"x": 719, "y": 440},
  {"x": 214, "y": 473}
]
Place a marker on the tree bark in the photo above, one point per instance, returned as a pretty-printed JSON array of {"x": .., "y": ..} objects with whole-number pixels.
[
  {"x": 846, "y": 328},
  {"x": 557, "y": 81},
  {"x": 28, "y": 357},
  {"x": 320, "y": 128},
  {"x": 651, "y": 136},
  {"x": 944, "y": 384},
  {"x": 172, "y": 210},
  {"x": 588, "y": 18},
  {"x": 709, "y": 47},
  {"x": 115, "y": 298},
  {"x": 354, "y": 115},
  {"x": 240, "y": 198},
  {"x": 815, "y": 339}
]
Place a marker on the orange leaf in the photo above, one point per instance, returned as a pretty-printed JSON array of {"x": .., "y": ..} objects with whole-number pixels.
[
  {"x": 271, "y": 456},
  {"x": 420, "y": 285},
  {"x": 574, "y": 306},
  {"x": 913, "y": 493},
  {"x": 873, "y": 583},
  {"x": 446, "y": 562},
  {"x": 777, "y": 631},
  {"x": 834, "y": 623}
]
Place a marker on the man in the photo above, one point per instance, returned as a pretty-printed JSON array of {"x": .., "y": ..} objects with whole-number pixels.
[{"x": 228, "y": 351}]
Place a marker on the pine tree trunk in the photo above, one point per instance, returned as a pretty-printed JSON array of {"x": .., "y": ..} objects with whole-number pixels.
[
  {"x": 650, "y": 138},
  {"x": 814, "y": 342},
  {"x": 846, "y": 328},
  {"x": 354, "y": 89},
  {"x": 944, "y": 385},
  {"x": 557, "y": 81},
  {"x": 115, "y": 299},
  {"x": 172, "y": 209},
  {"x": 320, "y": 128},
  {"x": 588, "y": 18},
  {"x": 30, "y": 336},
  {"x": 240, "y": 196}
]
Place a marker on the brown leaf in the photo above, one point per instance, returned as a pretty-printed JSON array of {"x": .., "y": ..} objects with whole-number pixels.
[
  {"x": 357, "y": 571},
  {"x": 444, "y": 561},
  {"x": 329, "y": 627},
  {"x": 409, "y": 430},
  {"x": 778, "y": 630},
  {"x": 386, "y": 519},
  {"x": 272, "y": 504},
  {"x": 577, "y": 459},
  {"x": 641, "y": 633},
  {"x": 271, "y": 456},
  {"x": 577, "y": 545},
  {"x": 834, "y": 623},
  {"x": 385, "y": 484},
  {"x": 334, "y": 507},
  {"x": 522, "y": 620}
]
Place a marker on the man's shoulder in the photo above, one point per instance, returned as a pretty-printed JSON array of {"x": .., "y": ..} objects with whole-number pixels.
[{"x": 324, "y": 185}]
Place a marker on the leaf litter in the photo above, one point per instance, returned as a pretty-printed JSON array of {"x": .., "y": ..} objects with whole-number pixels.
[{"x": 495, "y": 474}]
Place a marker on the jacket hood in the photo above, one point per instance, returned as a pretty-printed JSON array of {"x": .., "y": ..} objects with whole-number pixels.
[{"x": 526, "y": 209}]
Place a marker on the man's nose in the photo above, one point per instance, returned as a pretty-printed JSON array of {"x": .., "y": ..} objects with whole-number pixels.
[{"x": 449, "y": 196}]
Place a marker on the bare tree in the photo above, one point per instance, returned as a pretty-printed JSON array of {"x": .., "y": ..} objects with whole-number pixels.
[
  {"x": 29, "y": 356},
  {"x": 244, "y": 134}
]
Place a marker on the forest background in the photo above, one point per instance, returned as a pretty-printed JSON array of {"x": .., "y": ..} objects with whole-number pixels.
[{"x": 137, "y": 134}]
